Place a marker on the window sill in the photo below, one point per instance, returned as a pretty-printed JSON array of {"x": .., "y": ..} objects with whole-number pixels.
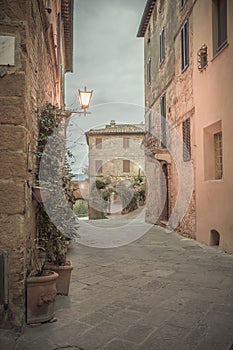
[
  {"x": 220, "y": 51},
  {"x": 214, "y": 181}
]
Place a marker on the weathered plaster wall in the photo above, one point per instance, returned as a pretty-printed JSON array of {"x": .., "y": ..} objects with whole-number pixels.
[
  {"x": 167, "y": 78},
  {"x": 213, "y": 102}
]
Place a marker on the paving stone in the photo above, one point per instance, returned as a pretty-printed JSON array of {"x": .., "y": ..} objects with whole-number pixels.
[
  {"x": 161, "y": 292},
  {"x": 98, "y": 336},
  {"x": 126, "y": 317},
  {"x": 137, "y": 333},
  {"x": 157, "y": 317},
  {"x": 164, "y": 338},
  {"x": 118, "y": 344},
  {"x": 7, "y": 342}
]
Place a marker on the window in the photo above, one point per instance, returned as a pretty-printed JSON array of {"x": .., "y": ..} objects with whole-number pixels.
[
  {"x": 185, "y": 46},
  {"x": 186, "y": 140},
  {"x": 148, "y": 35},
  {"x": 182, "y": 3},
  {"x": 149, "y": 124},
  {"x": 126, "y": 166},
  {"x": 218, "y": 155},
  {"x": 213, "y": 152},
  {"x": 162, "y": 47},
  {"x": 148, "y": 72},
  {"x": 125, "y": 142},
  {"x": 219, "y": 24},
  {"x": 98, "y": 166},
  {"x": 98, "y": 142},
  {"x": 163, "y": 121}
]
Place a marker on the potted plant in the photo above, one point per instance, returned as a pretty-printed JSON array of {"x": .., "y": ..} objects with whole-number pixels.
[
  {"x": 41, "y": 289},
  {"x": 54, "y": 244}
]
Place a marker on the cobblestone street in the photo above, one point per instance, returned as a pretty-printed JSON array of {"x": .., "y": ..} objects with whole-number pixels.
[{"x": 162, "y": 291}]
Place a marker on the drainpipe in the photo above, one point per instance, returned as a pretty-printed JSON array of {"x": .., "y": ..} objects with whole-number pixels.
[{"x": 5, "y": 278}]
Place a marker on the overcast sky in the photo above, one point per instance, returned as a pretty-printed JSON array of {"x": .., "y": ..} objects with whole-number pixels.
[{"x": 108, "y": 58}]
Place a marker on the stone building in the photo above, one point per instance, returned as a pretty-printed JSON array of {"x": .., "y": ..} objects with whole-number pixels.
[
  {"x": 36, "y": 46},
  {"x": 188, "y": 65},
  {"x": 115, "y": 152}
]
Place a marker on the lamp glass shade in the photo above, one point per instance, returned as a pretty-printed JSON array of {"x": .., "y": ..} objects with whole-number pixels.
[{"x": 84, "y": 98}]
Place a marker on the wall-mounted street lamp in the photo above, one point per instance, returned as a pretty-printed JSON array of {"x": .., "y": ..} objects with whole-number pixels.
[{"x": 84, "y": 97}]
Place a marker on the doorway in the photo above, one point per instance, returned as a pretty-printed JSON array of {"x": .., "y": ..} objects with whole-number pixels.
[{"x": 164, "y": 189}]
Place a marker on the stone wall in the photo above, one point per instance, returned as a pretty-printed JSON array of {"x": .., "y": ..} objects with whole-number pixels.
[
  {"x": 167, "y": 78},
  {"x": 25, "y": 87}
]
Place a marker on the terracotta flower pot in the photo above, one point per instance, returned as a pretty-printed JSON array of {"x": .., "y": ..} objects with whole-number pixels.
[
  {"x": 41, "y": 295},
  {"x": 63, "y": 281}
]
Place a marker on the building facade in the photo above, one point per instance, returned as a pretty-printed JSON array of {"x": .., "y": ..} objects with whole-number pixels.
[
  {"x": 36, "y": 45},
  {"x": 115, "y": 152},
  {"x": 212, "y": 86},
  {"x": 116, "y": 157},
  {"x": 188, "y": 64}
]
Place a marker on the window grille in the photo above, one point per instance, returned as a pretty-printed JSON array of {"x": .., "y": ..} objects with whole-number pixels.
[
  {"x": 186, "y": 140},
  {"x": 218, "y": 155}
]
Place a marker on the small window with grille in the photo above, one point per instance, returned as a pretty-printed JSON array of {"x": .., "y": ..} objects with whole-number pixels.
[
  {"x": 186, "y": 140},
  {"x": 213, "y": 151},
  {"x": 218, "y": 155}
]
